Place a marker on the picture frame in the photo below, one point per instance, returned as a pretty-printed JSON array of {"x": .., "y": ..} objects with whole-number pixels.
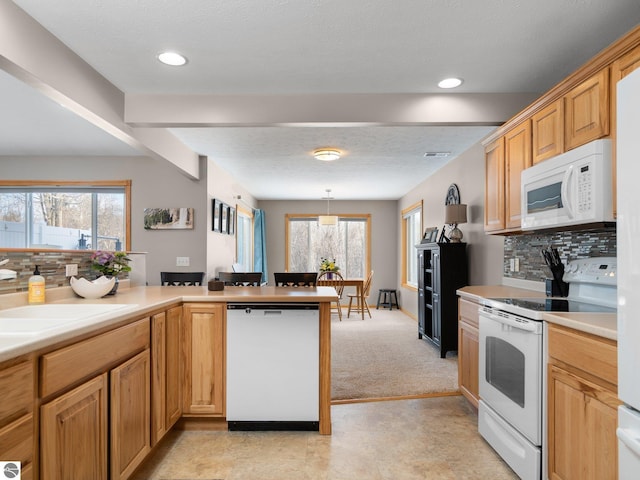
[
  {"x": 215, "y": 214},
  {"x": 232, "y": 221},
  {"x": 224, "y": 218},
  {"x": 430, "y": 235},
  {"x": 174, "y": 218}
]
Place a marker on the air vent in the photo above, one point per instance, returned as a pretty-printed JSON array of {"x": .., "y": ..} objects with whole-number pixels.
[{"x": 437, "y": 154}]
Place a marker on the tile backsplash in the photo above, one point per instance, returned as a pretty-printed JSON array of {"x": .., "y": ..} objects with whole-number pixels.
[
  {"x": 52, "y": 267},
  {"x": 571, "y": 245}
]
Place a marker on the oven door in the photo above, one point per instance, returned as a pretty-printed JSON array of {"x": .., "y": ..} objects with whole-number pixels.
[{"x": 510, "y": 370}]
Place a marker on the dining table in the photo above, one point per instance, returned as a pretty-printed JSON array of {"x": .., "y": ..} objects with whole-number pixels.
[{"x": 358, "y": 283}]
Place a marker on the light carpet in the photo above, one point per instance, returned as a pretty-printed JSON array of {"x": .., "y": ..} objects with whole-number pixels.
[{"x": 383, "y": 357}]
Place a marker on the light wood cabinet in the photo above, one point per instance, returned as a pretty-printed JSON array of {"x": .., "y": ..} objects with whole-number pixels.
[
  {"x": 587, "y": 110},
  {"x": 166, "y": 378},
  {"x": 16, "y": 413},
  {"x": 494, "y": 186},
  {"x": 73, "y": 433},
  {"x": 203, "y": 346},
  {"x": 548, "y": 132},
  {"x": 468, "y": 350},
  {"x": 517, "y": 157},
  {"x": 582, "y": 406}
]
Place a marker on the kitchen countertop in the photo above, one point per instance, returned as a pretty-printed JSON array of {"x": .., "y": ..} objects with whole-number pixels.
[
  {"x": 140, "y": 301},
  {"x": 601, "y": 324}
]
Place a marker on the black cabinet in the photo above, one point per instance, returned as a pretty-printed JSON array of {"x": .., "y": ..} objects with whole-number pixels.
[{"x": 442, "y": 269}]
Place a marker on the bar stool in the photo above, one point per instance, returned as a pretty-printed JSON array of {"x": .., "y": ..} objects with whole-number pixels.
[{"x": 389, "y": 298}]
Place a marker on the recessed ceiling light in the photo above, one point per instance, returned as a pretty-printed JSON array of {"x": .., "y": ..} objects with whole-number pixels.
[
  {"x": 326, "y": 154},
  {"x": 450, "y": 83},
  {"x": 172, "y": 58}
]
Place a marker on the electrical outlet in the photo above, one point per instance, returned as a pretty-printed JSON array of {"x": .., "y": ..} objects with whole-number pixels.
[
  {"x": 182, "y": 261},
  {"x": 516, "y": 266},
  {"x": 512, "y": 264},
  {"x": 71, "y": 270}
]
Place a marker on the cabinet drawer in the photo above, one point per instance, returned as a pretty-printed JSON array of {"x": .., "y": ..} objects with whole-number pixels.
[
  {"x": 17, "y": 387},
  {"x": 468, "y": 312},
  {"x": 16, "y": 440},
  {"x": 594, "y": 355},
  {"x": 71, "y": 364}
]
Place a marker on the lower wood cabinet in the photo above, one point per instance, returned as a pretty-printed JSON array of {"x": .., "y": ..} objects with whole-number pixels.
[
  {"x": 468, "y": 348},
  {"x": 203, "y": 344},
  {"x": 74, "y": 433},
  {"x": 582, "y": 406},
  {"x": 130, "y": 415},
  {"x": 166, "y": 371}
]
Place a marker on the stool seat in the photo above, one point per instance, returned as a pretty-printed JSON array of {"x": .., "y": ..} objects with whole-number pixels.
[{"x": 389, "y": 297}]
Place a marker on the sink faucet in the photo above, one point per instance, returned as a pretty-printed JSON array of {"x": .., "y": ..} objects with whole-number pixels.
[{"x": 6, "y": 274}]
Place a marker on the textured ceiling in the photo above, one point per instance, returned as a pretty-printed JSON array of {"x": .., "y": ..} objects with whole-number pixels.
[{"x": 282, "y": 47}]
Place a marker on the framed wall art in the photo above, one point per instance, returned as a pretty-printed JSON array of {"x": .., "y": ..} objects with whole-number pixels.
[
  {"x": 215, "y": 214},
  {"x": 224, "y": 218},
  {"x": 232, "y": 221},
  {"x": 177, "y": 218}
]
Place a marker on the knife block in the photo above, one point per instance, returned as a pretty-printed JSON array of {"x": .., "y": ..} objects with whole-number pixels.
[{"x": 556, "y": 288}]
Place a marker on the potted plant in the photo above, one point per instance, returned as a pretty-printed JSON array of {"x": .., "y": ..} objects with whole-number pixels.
[
  {"x": 327, "y": 265},
  {"x": 110, "y": 264}
]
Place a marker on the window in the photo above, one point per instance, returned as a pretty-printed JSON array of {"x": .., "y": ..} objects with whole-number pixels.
[
  {"x": 411, "y": 236},
  {"x": 244, "y": 239},
  {"x": 67, "y": 216},
  {"x": 348, "y": 243}
]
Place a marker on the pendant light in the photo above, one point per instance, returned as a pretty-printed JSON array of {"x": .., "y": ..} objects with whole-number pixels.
[{"x": 328, "y": 219}]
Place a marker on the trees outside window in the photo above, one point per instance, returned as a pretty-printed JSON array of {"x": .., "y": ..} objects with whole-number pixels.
[{"x": 348, "y": 243}]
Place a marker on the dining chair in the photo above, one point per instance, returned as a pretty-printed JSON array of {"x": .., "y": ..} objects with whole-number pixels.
[
  {"x": 241, "y": 279},
  {"x": 336, "y": 281},
  {"x": 361, "y": 303},
  {"x": 295, "y": 279},
  {"x": 181, "y": 278}
]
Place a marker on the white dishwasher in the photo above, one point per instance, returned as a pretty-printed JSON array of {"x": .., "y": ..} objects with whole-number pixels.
[{"x": 273, "y": 366}]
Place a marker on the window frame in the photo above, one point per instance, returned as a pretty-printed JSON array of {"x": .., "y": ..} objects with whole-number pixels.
[
  {"x": 362, "y": 216},
  {"x": 405, "y": 215},
  {"x": 124, "y": 184},
  {"x": 244, "y": 212}
]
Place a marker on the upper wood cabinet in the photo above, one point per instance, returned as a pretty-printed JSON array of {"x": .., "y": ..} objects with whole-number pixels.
[
  {"x": 548, "y": 132},
  {"x": 587, "y": 110},
  {"x": 517, "y": 157},
  {"x": 494, "y": 186},
  {"x": 505, "y": 158},
  {"x": 203, "y": 344}
]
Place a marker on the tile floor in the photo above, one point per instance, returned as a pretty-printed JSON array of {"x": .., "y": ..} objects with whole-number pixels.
[{"x": 433, "y": 438}]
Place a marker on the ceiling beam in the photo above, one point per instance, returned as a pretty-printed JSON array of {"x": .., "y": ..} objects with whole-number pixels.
[{"x": 33, "y": 55}]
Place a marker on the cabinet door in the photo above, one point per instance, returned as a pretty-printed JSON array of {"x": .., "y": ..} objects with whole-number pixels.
[
  {"x": 587, "y": 111},
  {"x": 130, "y": 415},
  {"x": 619, "y": 69},
  {"x": 517, "y": 151},
  {"x": 203, "y": 340},
  {"x": 582, "y": 420},
  {"x": 468, "y": 351},
  {"x": 158, "y": 376},
  {"x": 494, "y": 186},
  {"x": 73, "y": 433},
  {"x": 548, "y": 132},
  {"x": 16, "y": 441},
  {"x": 173, "y": 410}
]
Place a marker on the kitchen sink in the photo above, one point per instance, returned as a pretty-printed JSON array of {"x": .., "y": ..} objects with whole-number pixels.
[{"x": 37, "y": 319}]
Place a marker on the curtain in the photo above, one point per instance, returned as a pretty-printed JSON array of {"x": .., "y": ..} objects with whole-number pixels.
[{"x": 260, "y": 244}]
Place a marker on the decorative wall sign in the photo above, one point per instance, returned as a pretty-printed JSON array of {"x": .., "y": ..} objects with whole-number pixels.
[
  {"x": 453, "y": 195},
  {"x": 179, "y": 218}
]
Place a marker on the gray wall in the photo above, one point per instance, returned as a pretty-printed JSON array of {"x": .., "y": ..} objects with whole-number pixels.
[
  {"x": 385, "y": 225},
  {"x": 485, "y": 252},
  {"x": 154, "y": 184}
]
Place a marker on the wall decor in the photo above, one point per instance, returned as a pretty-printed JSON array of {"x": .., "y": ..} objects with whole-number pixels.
[
  {"x": 430, "y": 235},
  {"x": 224, "y": 218},
  {"x": 215, "y": 214},
  {"x": 178, "y": 218},
  {"x": 232, "y": 221}
]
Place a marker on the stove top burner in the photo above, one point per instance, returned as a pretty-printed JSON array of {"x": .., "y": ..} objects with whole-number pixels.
[{"x": 553, "y": 305}]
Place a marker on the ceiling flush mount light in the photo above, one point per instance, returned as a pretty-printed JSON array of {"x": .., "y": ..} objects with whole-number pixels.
[
  {"x": 450, "y": 83},
  {"x": 326, "y": 154},
  {"x": 172, "y": 58},
  {"x": 328, "y": 219}
]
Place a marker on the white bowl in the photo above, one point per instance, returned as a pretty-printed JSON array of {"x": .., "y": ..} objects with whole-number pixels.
[{"x": 95, "y": 289}]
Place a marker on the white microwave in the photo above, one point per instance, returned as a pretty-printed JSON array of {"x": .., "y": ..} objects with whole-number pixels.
[{"x": 573, "y": 188}]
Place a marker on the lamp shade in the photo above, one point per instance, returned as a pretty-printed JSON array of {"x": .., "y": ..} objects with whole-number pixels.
[
  {"x": 328, "y": 220},
  {"x": 455, "y": 213}
]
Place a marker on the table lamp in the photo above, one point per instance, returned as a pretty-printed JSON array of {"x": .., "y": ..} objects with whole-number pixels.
[{"x": 455, "y": 214}]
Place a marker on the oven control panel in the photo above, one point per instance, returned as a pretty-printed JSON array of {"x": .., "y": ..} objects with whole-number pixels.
[{"x": 598, "y": 270}]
